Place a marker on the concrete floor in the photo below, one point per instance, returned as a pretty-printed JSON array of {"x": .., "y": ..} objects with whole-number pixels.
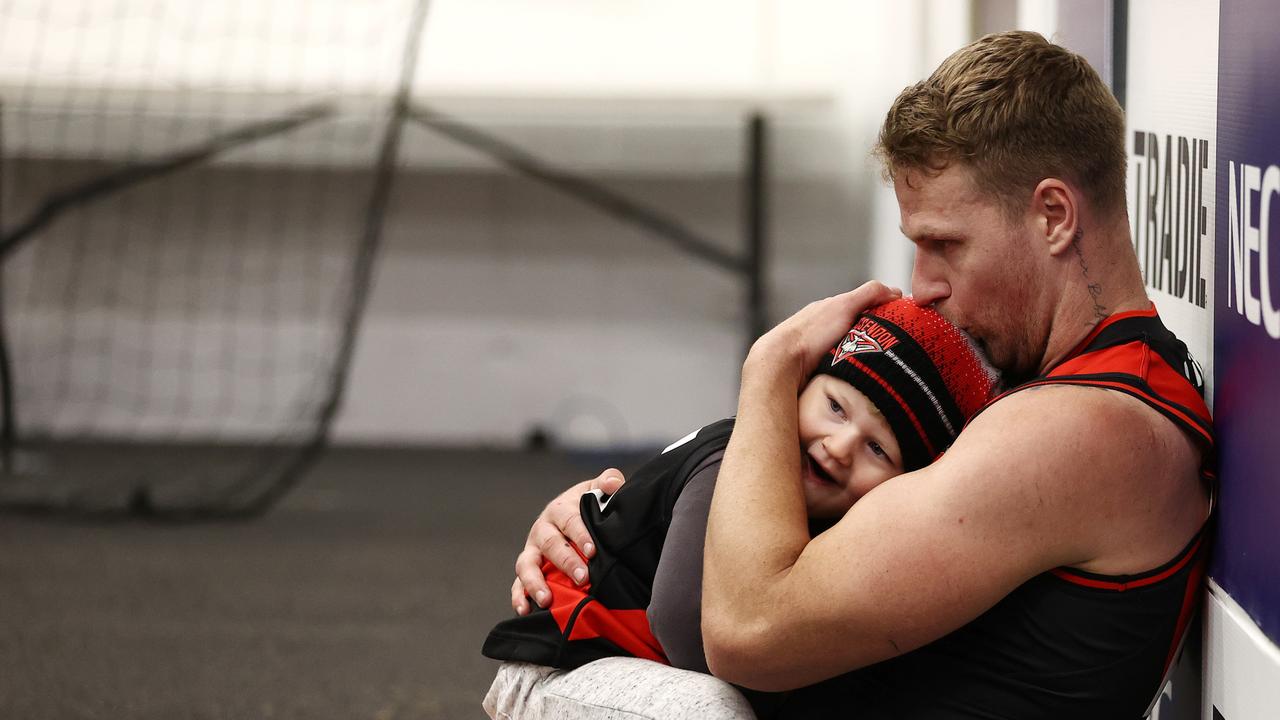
[{"x": 365, "y": 594}]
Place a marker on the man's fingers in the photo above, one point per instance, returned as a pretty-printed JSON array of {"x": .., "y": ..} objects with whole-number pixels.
[
  {"x": 519, "y": 602},
  {"x": 608, "y": 481},
  {"x": 576, "y": 531},
  {"x": 869, "y": 294},
  {"x": 529, "y": 575},
  {"x": 556, "y": 548},
  {"x": 557, "y": 526},
  {"x": 823, "y": 322}
]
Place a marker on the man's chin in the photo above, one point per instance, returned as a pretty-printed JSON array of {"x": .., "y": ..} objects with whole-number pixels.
[
  {"x": 1014, "y": 372},
  {"x": 1011, "y": 369}
]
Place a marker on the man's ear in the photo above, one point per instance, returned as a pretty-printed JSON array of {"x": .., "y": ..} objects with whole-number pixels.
[{"x": 1055, "y": 212}]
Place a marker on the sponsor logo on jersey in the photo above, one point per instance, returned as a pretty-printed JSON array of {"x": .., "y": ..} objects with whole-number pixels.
[{"x": 866, "y": 336}]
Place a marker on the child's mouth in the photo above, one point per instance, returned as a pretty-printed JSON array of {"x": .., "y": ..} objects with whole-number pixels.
[{"x": 820, "y": 474}]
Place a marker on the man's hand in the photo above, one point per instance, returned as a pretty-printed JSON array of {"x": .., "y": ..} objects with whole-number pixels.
[
  {"x": 557, "y": 525},
  {"x": 796, "y": 345}
]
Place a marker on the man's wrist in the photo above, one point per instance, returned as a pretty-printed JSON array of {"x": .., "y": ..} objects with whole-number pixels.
[
  {"x": 772, "y": 362},
  {"x": 766, "y": 384}
]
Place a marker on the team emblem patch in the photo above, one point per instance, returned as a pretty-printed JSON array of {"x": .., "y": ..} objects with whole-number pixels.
[{"x": 866, "y": 336}]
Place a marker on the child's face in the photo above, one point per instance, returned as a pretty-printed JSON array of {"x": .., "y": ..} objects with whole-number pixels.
[{"x": 846, "y": 446}]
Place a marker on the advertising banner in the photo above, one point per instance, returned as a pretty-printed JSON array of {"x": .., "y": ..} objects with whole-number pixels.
[
  {"x": 1242, "y": 661},
  {"x": 1247, "y": 309}
]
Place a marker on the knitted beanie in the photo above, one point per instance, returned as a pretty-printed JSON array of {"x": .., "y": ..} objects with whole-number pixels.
[{"x": 925, "y": 375}]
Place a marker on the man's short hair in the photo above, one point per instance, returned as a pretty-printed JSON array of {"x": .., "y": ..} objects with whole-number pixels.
[{"x": 1017, "y": 109}]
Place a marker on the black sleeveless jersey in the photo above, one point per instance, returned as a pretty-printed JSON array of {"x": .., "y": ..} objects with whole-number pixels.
[
  {"x": 1066, "y": 644},
  {"x": 606, "y": 616}
]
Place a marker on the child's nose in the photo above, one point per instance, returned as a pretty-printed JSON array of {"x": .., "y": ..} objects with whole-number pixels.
[{"x": 840, "y": 446}]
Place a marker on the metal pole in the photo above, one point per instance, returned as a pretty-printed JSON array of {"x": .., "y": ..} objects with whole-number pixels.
[
  {"x": 9, "y": 432},
  {"x": 756, "y": 220},
  {"x": 1120, "y": 50}
]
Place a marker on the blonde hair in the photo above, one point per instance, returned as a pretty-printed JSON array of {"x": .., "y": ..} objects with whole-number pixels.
[{"x": 1017, "y": 109}]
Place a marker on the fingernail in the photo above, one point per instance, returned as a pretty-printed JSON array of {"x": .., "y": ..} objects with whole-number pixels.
[
  {"x": 579, "y": 575},
  {"x": 522, "y": 610},
  {"x": 589, "y": 548},
  {"x": 541, "y": 597}
]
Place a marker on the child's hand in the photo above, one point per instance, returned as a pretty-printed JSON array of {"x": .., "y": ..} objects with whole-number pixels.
[{"x": 557, "y": 525}]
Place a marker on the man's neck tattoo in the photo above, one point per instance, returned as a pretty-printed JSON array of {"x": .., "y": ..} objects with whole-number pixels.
[{"x": 1095, "y": 289}]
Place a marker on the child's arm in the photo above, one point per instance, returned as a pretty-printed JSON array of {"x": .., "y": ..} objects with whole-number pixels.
[{"x": 675, "y": 608}]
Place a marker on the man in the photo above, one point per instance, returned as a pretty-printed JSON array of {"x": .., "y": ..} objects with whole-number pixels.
[{"x": 1048, "y": 563}]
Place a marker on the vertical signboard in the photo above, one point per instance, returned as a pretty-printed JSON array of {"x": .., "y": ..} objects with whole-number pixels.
[
  {"x": 1171, "y": 117},
  {"x": 1244, "y": 614}
]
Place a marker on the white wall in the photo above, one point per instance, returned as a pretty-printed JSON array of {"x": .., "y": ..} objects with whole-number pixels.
[{"x": 1240, "y": 663}]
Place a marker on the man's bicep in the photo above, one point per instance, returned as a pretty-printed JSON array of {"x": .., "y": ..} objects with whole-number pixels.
[
  {"x": 926, "y": 552},
  {"x": 912, "y": 562}
]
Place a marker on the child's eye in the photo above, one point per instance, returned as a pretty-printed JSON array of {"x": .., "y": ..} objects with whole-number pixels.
[
  {"x": 835, "y": 406},
  {"x": 875, "y": 448}
]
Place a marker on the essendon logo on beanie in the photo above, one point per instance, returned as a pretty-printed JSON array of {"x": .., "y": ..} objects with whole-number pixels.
[{"x": 866, "y": 336}]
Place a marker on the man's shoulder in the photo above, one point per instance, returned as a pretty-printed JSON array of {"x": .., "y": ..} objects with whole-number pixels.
[
  {"x": 1084, "y": 426},
  {"x": 1087, "y": 462},
  {"x": 1064, "y": 408}
]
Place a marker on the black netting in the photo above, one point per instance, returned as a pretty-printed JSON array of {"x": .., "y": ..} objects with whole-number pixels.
[{"x": 191, "y": 203}]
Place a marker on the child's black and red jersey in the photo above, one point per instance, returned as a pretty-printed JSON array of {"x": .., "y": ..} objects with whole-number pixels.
[{"x": 606, "y": 616}]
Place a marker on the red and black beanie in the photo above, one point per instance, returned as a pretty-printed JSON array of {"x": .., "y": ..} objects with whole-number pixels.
[{"x": 925, "y": 375}]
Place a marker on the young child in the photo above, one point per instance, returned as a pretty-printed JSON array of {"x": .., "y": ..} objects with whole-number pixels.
[{"x": 894, "y": 394}]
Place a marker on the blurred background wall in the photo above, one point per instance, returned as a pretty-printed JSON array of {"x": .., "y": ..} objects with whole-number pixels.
[
  {"x": 500, "y": 308},
  {"x": 573, "y": 322}
]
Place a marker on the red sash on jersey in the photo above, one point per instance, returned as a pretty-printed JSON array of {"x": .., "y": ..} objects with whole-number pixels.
[{"x": 582, "y": 617}]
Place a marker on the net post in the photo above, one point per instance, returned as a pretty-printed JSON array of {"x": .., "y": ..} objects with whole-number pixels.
[
  {"x": 756, "y": 218},
  {"x": 8, "y": 409},
  {"x": 371, "y": 237}
]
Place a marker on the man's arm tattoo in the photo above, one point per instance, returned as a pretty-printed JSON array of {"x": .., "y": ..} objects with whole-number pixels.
[{"x": 1095, "y": 289}]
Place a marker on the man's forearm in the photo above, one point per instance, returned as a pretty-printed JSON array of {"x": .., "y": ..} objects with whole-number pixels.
[{"x": 757, "y": 526}]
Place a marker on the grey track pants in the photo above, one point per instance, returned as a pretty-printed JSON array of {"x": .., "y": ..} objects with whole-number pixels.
[{"x": 612, "y": 689}]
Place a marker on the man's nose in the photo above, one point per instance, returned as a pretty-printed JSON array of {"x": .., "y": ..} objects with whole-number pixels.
[{"x": 927, "y": 285}]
